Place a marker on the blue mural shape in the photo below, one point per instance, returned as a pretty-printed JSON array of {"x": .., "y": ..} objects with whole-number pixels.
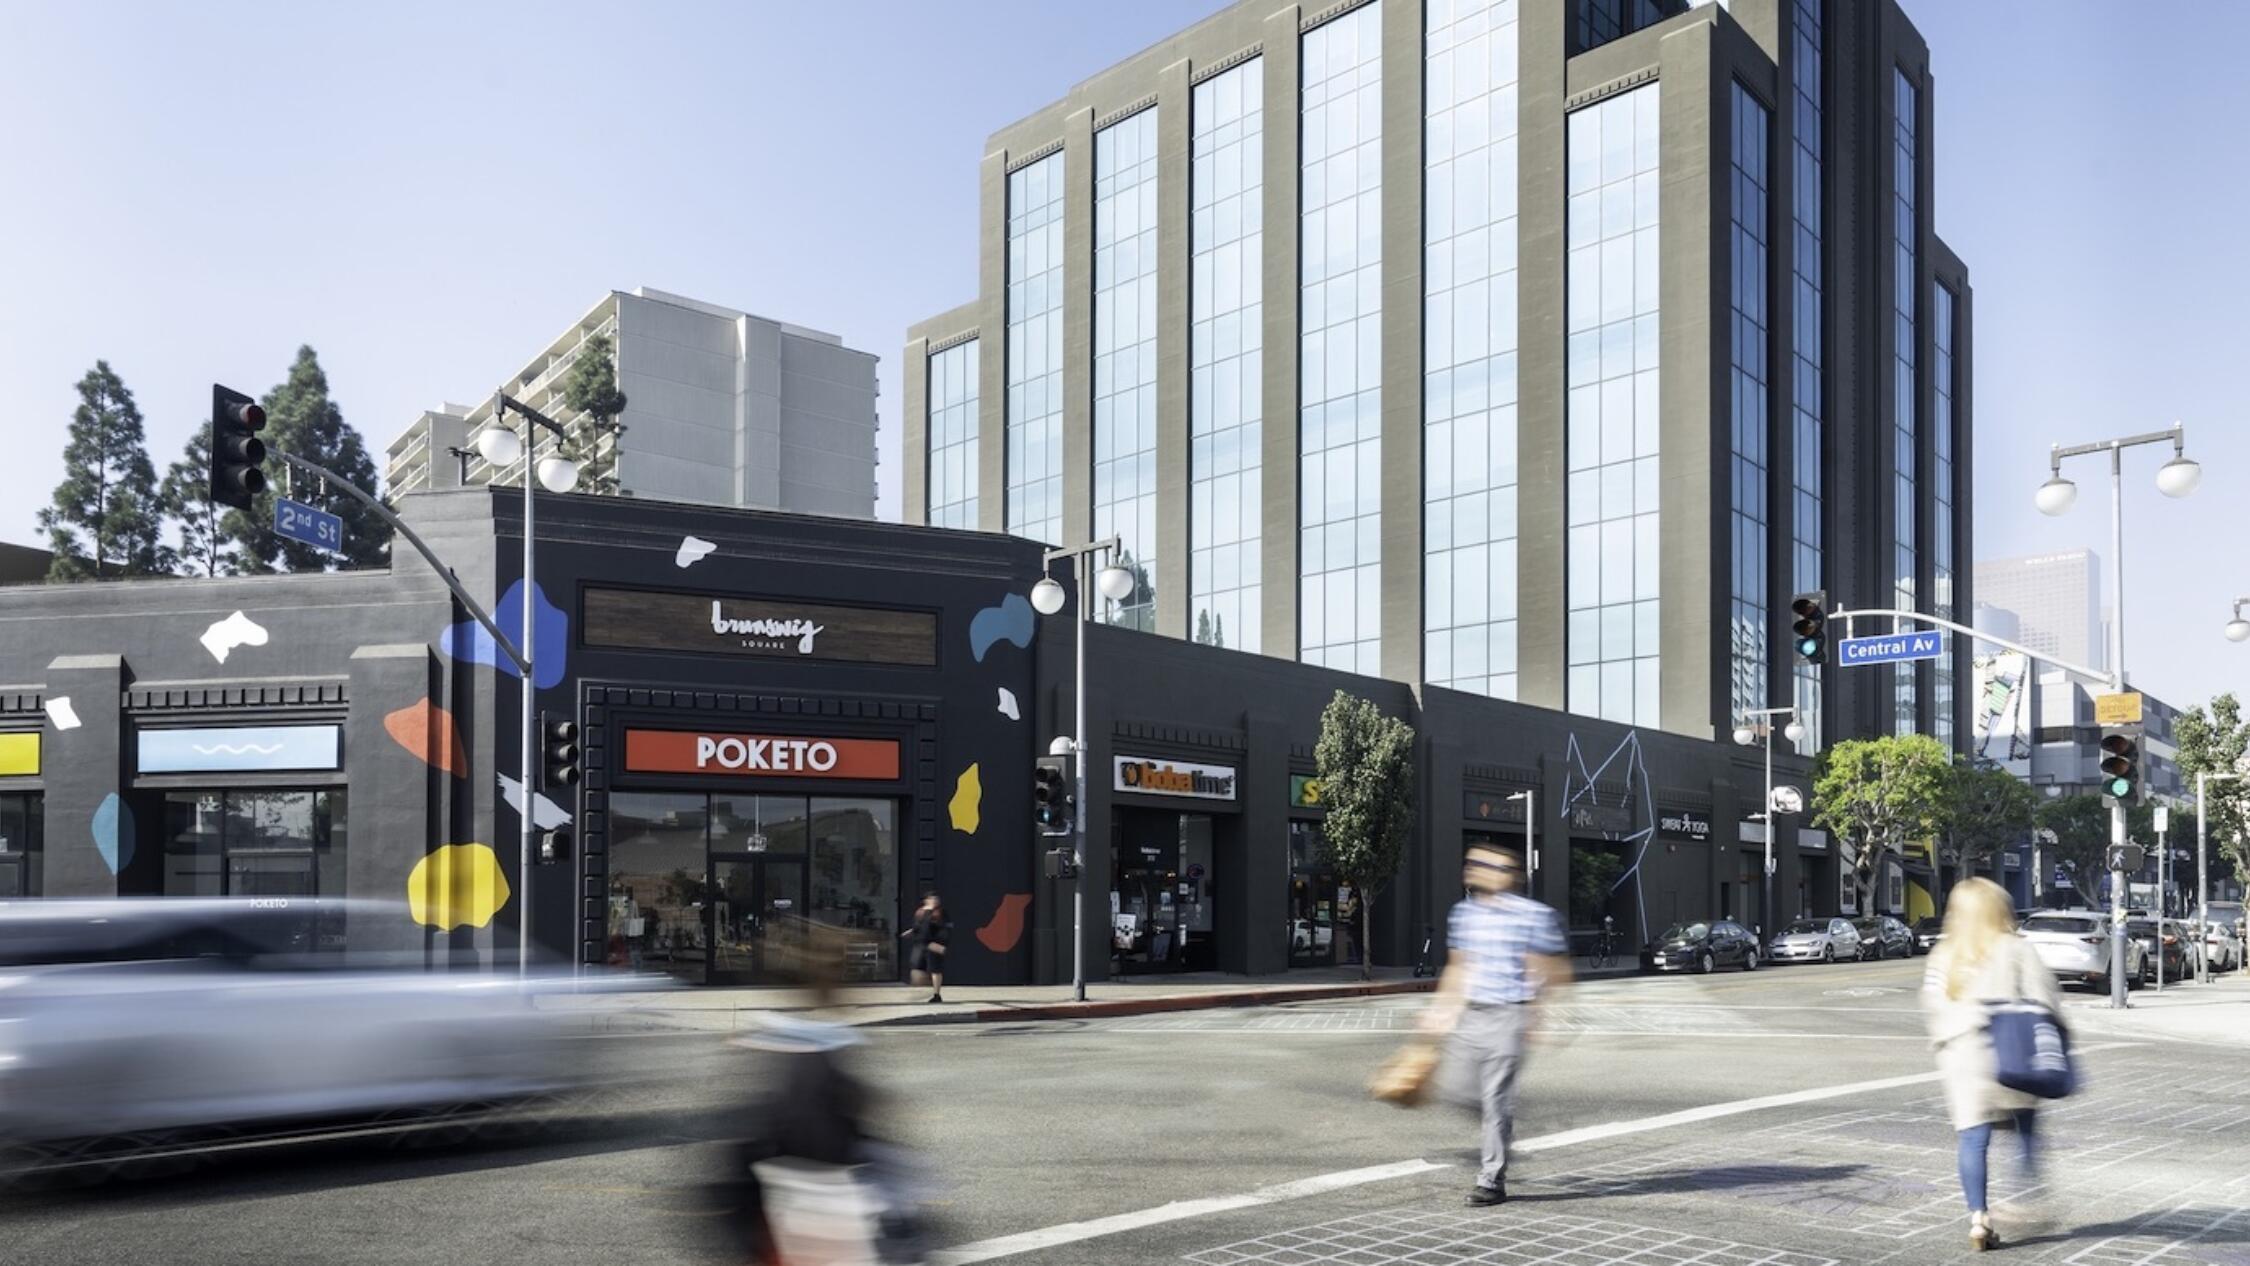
[
  {"x": 1638, "y": 800},
  {"x": 1011, "y": 622},
  {"x": 240, "y": 748},
  {"x": 468, "y": 643},
  {"x": 113, "y": 832}
]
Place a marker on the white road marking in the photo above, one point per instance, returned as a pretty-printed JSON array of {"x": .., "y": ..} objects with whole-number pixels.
[
  {"x": 1719, "y": 1033},
  {"x": 1181, "y": 1210}
]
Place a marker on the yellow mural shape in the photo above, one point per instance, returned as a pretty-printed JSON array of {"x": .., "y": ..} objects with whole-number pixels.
[
  {"x": 968, "y": 797},
  {"x": 455, "y": 886},
  {"x": 19, "y": 753}
]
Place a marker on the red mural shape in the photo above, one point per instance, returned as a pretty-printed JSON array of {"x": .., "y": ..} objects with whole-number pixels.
[
  {"x": 1006, "y": 927},
  {"x": 429, "y": 732}
]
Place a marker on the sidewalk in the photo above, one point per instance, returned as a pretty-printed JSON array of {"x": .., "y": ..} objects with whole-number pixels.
[{"x": 2217, "y": 1013}]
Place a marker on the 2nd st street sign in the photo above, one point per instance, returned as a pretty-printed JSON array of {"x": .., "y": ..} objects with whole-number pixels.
[{"x": 1890, "y": 648}]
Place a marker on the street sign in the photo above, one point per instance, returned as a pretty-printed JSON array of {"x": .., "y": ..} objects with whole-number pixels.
[
  {"x": 1890, "y": 648},
  {"x": 308, "y": 526},
  {"x": 2118, "y": 709}
]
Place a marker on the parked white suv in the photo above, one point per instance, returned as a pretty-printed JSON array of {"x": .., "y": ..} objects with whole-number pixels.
[
  {"x": 1814, "y": 941},
  {"x": 2076, "y": 946}
]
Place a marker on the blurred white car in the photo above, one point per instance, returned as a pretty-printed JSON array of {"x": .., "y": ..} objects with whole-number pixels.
[
  {"x": 2222, "y": 945},
  {"x": 2076, "y": 946},
  {"x": 1814, "y": 941}
]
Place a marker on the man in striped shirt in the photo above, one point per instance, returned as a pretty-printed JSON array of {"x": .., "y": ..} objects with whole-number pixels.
[{"x": 1503, "y": 949}]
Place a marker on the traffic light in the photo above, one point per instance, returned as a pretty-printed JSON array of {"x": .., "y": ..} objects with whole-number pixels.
[
  {"x": 2121, "y": 762},
  {"x": 554, "y": 846},
  {"x": 1811, "y": 625},
  {"x": 238, "y": 457},
  {"x": 1051, "y": 801},
  {"x": 1060, "y": 864},
  {"x": 558, "y": 753}
]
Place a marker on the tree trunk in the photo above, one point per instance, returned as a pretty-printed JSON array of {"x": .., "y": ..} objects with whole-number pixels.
[{"x": 1366, "y": 949}]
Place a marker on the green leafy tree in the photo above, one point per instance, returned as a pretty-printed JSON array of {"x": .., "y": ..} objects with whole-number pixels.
[
  {"x": 1879, "y": 794},
  {"x": 2215, "y": 739},
  {"x": 185, "y": 499},
  {"x": 303, "y": 421},
  {"x": 1366, "y": 766},
  {"x": 592, "y": 390},
  {"x": 1593, "y": 874},
  {"x": 1987, "y": 809},
  {"x": 103, "y": 522},
  {"x": 2077, "y": 831}
]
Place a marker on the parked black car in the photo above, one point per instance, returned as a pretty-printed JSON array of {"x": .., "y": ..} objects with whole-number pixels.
[
  {"x": 2177, "y": 965},
  {"x": 1881, "y": 936},
  {"x": 1927, "y": 932},
  {"x": 1701, "y": 947}
]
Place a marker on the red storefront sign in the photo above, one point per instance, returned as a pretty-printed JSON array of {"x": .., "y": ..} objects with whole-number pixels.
[{"x": 760, "y": 755}]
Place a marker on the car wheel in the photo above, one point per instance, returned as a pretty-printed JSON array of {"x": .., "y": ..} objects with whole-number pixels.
[
  {"x": 1750, "y": 960},
  {"x": 1828, "y": 953},
  {"x": 1707, "y": 964}
]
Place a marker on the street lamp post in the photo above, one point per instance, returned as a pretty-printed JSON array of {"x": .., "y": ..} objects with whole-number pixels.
[
  {"x": 2176, "y": 478},
  {"x": 1115, "y": 584},
  {"x": 501, "y": 447},
  {"x": 1758, "y": 724},
  {"x": 2203, "y": 877}
]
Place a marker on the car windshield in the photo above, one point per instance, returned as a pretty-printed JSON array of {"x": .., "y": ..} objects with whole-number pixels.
[
  {"x": 2061, "y": 923},
  {"x": 2140, "y": 927},
  {"x": 1687, "y": 932},
  {"x": 1804, "y": 927},
  {"x": 1931, "y": 924}
]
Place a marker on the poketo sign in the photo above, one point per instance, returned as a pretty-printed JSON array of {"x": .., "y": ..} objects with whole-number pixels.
[{"x": 760, "y": 755}]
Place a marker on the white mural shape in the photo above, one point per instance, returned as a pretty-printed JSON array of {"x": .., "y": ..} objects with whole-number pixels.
[
  {"x": 1008, "y": 705},
  {"x": 545, "y": 814},
  {"x": 692, "y": 550},
  {"x": 62, "y": 714},
  {"x": 236, "y": 630}
]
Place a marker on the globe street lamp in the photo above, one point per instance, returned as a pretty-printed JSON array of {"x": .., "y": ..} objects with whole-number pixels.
[
  {"x": 1047, "y": 597},
  {"x": 1757, "y": 725},
  {"x": 2238, "y": 629}
]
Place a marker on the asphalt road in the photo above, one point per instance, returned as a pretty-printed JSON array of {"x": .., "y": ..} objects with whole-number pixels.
[{"x": 1030, "y": 1132}]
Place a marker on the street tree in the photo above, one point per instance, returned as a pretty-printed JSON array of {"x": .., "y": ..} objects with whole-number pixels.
[
  {"x": 592, "y": 390},
  {"x": 2215, "y": 739},
  {"x": 1987, "y": 809},
  {"x": 302, "y": 420},
  {"x": 103, "y": 523},
  {"x": 1366, "y": 765},
  {"x": 2079, "y": 827},
  {"x": 185, "y": 499},
  {"x": 1879, "y": 794}
]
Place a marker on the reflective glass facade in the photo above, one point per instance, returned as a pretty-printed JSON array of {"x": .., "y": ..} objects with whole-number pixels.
[
  {"x": 1807, "y": 79},
  {"x": 1035, "y": 300},
  {"x": 1125, "y": 357},
  {"x": 1469, "y": 349},
  {"x": 1941, "y": 498},
  {"x": 1749, "y": 641},
  {"x": 1611, "y": 413},
  {"x": 953, "y": 436},
  {"x": 1340, "y": 343},
  {"x": 1905, "y": 259},
  {"x": 1226, "y": 383}
]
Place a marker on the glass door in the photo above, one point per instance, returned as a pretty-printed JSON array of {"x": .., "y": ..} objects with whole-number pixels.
[{"x": 757, "y": 908}]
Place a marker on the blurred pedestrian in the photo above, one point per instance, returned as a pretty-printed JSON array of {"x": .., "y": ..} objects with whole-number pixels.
[
  {"x": 1503, "y": 950},
  {"x": 1980, "y": 961},
  {"x": 926, "y": 946}
]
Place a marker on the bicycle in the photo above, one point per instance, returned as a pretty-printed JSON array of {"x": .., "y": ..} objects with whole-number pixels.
[{"x": 1604, "y": 952}]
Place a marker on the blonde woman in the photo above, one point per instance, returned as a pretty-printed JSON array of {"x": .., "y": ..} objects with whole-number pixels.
[{"x": 1981, "y": 960}]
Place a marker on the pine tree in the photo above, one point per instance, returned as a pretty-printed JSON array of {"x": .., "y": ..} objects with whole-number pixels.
[
  {"x": 103, "y": 523},
  {"x": 592, "y": 391},
  {"x": 303, "y": 421},
  {"x": 185, "y": 498}
]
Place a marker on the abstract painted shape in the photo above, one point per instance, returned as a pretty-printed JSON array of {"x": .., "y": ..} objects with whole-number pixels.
[
  {"x": 429, "y": 733},
  {"x": 236, "y": 630},
  {"x": 968, "y": 799},
  {"x": 113, "y": 832},
  {"x": 1008, "y": 707},
  {"x": 1006, "y": 927},
  {"x": 545, "y": 813},
  {"x": 693, "y": 549},
  {"x": 62, "y": 714},
  {"x": 1009, "y": 622},
  {"x": 459, "y": 885},
  {"x": 468, "y": 643}
]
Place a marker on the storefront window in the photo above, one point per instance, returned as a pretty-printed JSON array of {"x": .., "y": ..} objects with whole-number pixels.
[
  {"x": 254, "y": 843},
  {"x": 22, "y": 816},
  {"x": 855, "y": 880},
  {"x": 658, "y": 882},
  {"x": 1314, "y": 938}
]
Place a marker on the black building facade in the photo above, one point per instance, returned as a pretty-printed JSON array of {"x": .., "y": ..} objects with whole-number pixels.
[{"x": 783, "y": 718}]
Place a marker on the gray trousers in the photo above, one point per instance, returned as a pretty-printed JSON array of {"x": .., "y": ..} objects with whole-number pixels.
[{"x": 1482, "y": 1057}]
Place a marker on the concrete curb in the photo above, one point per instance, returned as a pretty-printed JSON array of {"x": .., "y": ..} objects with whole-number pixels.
[{"x": 1110, "y": 1007}]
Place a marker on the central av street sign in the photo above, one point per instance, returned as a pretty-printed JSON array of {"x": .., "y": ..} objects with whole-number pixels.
[{"x": 1890, "y": 648}]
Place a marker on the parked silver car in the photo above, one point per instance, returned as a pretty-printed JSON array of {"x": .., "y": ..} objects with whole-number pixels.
[
  {"x": 2076, "y": 946},
  {"x": 1814, "y": 941},
  {"x": 2222, "y": 945}
]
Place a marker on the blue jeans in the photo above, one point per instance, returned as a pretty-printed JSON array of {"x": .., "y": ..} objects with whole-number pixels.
[{"x": 1974, "y": 1142}]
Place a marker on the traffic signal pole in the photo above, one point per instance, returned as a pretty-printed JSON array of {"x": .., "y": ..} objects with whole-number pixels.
[{"x": 2117, "y": 1000}]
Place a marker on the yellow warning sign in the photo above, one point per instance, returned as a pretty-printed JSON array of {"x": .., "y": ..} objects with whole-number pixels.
[{"x": 2118, "y": 709}]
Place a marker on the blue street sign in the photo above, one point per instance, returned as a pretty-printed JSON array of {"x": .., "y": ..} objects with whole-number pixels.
[
  {"x": 1890, "y": 648},
  {"x": 306, "y": 525}
]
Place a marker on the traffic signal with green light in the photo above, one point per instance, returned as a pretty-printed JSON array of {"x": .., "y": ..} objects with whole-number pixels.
[
  {"x": 1810, "y": 624},
  {"x": 2121, "y": 763},
  {"x": 1051, "y": 800}
]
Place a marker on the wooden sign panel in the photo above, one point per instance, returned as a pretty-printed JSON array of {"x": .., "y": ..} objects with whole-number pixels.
[{"x": 761, "y": 628}]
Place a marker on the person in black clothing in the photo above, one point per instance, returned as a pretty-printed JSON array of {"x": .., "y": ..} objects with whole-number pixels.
[{"x": 927, "y": 952}]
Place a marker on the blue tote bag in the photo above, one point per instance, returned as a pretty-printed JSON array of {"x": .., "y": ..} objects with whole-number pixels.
[{"x": 2031, "y": 1050}]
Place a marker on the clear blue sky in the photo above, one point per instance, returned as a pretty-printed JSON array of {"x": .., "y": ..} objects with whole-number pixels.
[{"x": 426, "y": 192}]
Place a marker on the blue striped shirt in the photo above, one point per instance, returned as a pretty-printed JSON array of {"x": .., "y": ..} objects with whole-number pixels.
[{"x": 1498, "y": 933}]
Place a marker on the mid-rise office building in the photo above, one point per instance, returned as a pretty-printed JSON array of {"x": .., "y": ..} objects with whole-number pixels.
[
  {"x": 1534, "y": 349},
  {"x": 2057, "y": 599},
  {"x": 722, "y": 407}
]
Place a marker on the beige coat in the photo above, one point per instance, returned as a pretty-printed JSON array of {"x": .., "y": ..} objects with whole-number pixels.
[{"x": 1957, "y": 1030}]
